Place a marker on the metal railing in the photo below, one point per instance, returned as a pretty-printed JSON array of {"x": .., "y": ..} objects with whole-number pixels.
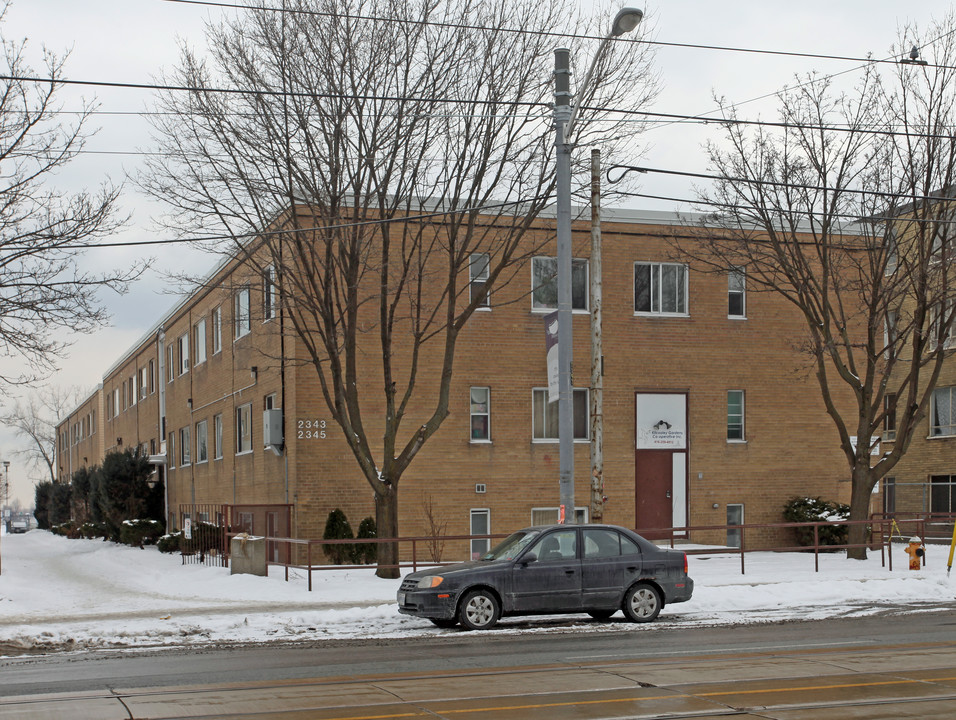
[{"x": 881, "y": 532}]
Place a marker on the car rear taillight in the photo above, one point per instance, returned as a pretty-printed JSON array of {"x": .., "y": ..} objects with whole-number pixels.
[{"x": 685, "y": 563}]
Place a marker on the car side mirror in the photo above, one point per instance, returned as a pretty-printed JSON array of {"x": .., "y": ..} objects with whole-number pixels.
[{"x": 529, "y": 558}]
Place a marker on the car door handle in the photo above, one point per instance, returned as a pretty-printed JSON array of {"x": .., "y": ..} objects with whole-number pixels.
[{"x": 569, "y": 571}]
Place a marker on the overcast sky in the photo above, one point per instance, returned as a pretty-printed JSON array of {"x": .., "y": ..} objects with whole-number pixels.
[{"x": 131, "y": 41}]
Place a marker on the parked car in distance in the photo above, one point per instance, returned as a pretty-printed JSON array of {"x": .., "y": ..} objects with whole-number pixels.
[
  {"x": 19, "y": 526},
  {"x": 593, "y": 569}
]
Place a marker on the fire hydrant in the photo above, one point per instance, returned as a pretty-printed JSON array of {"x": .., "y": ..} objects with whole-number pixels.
[{"x": 916, "y": 551}]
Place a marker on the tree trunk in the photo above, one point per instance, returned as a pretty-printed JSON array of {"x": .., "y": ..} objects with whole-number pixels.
[
  {"x": 859, "y": 510},
  {"x": 386, "y": 526}
]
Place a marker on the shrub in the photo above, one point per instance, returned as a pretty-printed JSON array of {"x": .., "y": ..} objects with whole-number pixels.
[
  {"x": 140, "y": 532},
  {"x": 817, "y": 510},
  {"x": 205, "y": 537},
  {"x": 92, "y": 530},
  {"x": 66, "y": 529},
  {"x": 169, "y": 543},
  {"x": 337, "y": 528},
  {"x": 366, "y": 553}
]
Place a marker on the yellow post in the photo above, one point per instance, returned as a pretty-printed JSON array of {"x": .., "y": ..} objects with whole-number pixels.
[{"x": 952, "y": 546}]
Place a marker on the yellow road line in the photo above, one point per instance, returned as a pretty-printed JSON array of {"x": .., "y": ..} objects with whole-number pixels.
[{"x": 671, "y": 696}]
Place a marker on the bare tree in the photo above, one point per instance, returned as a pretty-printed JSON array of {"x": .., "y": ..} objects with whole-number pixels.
[
  {"x": 395, "y": 151},
  {"x": 842, "y": 209},
  {"x": 34, "y": 419},
  {"x": 44, "y": 290}
]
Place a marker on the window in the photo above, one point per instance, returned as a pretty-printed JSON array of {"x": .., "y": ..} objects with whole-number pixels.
[
  {"x": 184, "y": 444},
  {"x": 600, "y": 544},
  {"x": 891, "y": 333},
  {"x": 480, "y": 414},
  {"x": 889, "y": 417},
  {"x": 244, "y": 429},
  {"x": 737, "y": 293},
  {"x": 942, "y": 412},
  {"x": 241, "y": 314},
  {"x": 478, "y": 277},
  {"x": 143, "y": 383},
  {"x": 660, "y": 288},
  {"x": 544, "y": 423},
  {"x": 941, "y": 324},
  {"x": 202, "y": 442},
  {"x": 182, "y": 350},
  {"x": 942, "y": 498},
  {"x": 199, "y": 335},
  {"x": 480, "y": 525},
  {"x": 217, "y": 329},
  {"x": 268, "y": 294},
  {"x": 171, "y": 451},
  {"x": 131, "y": 391},
  {"x": 735, "y": 415},
  {"x": 559, "y": 546},
  {"x": 170, "y": 362},
  {"x": 217, "y": 437},
  {"x": 152, "y": 377},
  {"x": 544, "y": 284},
  {"x": 889, "y": 495},
  {"x": 892, "y": 252}
]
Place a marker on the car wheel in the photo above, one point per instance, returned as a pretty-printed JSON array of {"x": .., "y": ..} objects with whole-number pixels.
[
  {"x": 444, "y": 622},
  {"x": 642, "y": 603},
  {"x": 479, "y": 610},
  {"x": 601, "y": 614}
]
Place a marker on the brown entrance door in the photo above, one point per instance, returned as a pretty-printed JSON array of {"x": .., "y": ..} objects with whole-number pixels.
[{"x": 654, "y": 481}]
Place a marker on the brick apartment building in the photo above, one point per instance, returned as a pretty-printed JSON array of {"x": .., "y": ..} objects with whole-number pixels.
[{"x": 711, "y": 414}]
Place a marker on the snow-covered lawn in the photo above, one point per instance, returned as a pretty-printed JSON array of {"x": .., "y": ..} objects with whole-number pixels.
[{"x": 57, "y": 593}]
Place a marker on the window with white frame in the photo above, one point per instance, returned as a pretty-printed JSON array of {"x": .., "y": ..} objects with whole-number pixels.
[
  {"x": 480, "y": 410},
  {"x": 478, "y": 277},
  {"x": 737, "y": 293},
  {"x": 269, "y": 294},
  {"x": 941, "y": 323},
  {"x": 182, "y": 353},
  {"x": 891, "y": 332},
  {"x": 943, "y": 412},
  {"x": 241, "y": 314},
  {"x": 889, "y": 417},
  {"x": 269, "y": 402},
  {"x": 544, "y": 284},
  {"x": 152, "y": 377},
  {"x": 171, "y": 450},
  {"x": 892, "y": 251},
  {"x": 544, "y": 422},
  {"x": 217, "y": 437},
  {"x": 217, "y": 329},
  {"x": 550, "y": 515},
  {"x": 660, "y": 288},
  {"x": 244, "y": 429},
  {"x": 202, "y": 442},
  {"x": 143, "y": 383},
  {"x": 170, "y": 362},
  {"x": 116, "y": 400},
  {"x": 131, "y": 390},
  {"x": 184, "y": 447},
  {"x": 735, "y": 415},
  {"x": 480, "y": 525},
  {"x": 199, "y": 340}
]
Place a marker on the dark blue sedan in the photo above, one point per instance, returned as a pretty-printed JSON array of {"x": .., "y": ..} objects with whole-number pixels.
[{"x": 593, "y": 569}]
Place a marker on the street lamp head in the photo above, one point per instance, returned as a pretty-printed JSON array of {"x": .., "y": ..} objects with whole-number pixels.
[{"x": 626, "y": 20}]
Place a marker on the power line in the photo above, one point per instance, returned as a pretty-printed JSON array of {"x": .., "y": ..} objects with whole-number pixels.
[{"x": 540, "y": 33}]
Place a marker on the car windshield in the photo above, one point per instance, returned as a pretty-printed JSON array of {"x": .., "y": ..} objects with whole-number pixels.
[{"x": 509, "y": 548}]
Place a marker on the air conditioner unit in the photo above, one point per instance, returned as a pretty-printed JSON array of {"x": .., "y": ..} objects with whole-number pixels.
[{"x": 272, "y": 430}]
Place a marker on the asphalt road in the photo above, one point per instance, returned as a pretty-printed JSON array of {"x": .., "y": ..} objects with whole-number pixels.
[{"x": 883, "y": 666}]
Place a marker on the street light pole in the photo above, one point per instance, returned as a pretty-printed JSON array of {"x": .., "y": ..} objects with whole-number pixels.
[{"x": 564, "y": 116}]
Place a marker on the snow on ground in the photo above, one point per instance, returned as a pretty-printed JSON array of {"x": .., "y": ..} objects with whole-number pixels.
[{"x": 58, "y": 594}]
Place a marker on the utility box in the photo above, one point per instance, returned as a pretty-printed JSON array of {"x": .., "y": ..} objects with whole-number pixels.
[
  {"x": 272, "y": 428},
  {"x": 247, "y": 556}
]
